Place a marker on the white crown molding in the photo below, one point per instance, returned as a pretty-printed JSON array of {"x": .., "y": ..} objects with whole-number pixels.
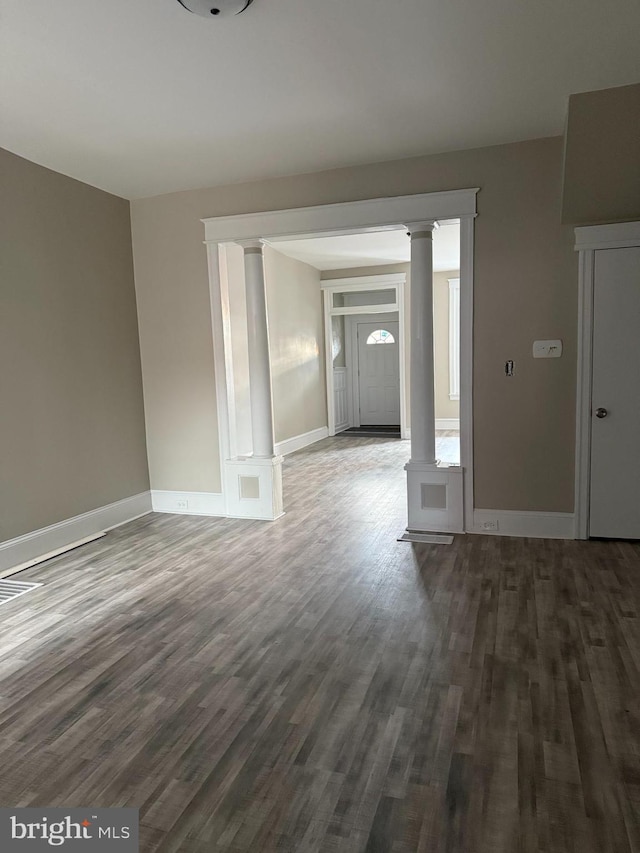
[
  {"x": 47, "y": 542},
  {"x": 367, "y": 215},
  {"x": 537, "y": 525},
  {"x": 189, "y": 503},
  {"x": 297, "y": 442},
  {"x": 620, "y": 235}
]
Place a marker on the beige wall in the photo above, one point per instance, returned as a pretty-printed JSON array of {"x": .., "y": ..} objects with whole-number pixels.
[
  {"x": 602, "y": 157},
  {"x": 176, "y": 343},
  {"x": 294, "y": 306},
  {"x": 296, "y": 344},
  {"x": 72, "y": 423},
  {"x": 525, "y": 288}
]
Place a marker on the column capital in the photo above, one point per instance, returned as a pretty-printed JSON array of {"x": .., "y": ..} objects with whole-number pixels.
[
  {"x": 416, "y": 230},
  {"x": 251, "y": 246}
]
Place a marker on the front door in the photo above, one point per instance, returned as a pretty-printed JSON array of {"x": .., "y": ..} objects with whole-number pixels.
[
  {"x": 615, "y": 399},
  {"x": 379, "y": 373}
]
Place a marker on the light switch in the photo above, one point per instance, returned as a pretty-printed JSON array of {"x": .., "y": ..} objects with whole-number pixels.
[{"x": 547, "y": 349}]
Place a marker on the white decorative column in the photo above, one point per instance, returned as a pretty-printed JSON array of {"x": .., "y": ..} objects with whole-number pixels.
[
  {"x": 434, "y": 492},
  {"x": 258, "y": 345},
  {"x": 255, "y": 482},
  {"x": 422, "y": 391}
]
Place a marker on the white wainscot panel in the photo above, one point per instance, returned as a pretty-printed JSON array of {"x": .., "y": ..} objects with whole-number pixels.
[{"x": 340, "y": 397}]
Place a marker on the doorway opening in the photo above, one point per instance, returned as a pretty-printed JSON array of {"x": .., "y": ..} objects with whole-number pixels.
[
  {"x": 420, "y": 216},
  {"x": 368, "y": 383},
  {"x": 374, "y": 354}
]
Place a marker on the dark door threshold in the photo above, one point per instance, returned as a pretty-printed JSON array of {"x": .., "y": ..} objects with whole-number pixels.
[{"x": 372, "y": 431}]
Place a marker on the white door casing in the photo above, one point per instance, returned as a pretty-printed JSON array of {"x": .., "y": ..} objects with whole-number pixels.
[
  {"x": 607, "y": 456},
  {"x": 379, "y": 312},
  {"x": 378, "y": 374},
  {"x": 615, "y": 450}
]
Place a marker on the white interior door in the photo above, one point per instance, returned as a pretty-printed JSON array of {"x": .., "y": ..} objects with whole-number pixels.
[
  {"x": 615, "y": 430},
  {"x": 379, "y": 373}
]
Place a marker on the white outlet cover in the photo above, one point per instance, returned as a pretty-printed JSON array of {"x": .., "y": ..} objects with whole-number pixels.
[{"x": 547, "y": 349}]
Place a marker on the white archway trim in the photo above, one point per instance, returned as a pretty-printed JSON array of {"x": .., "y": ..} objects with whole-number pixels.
[
  {"x": 375, "y": 214},
  {"x": 332, "y": 219}
]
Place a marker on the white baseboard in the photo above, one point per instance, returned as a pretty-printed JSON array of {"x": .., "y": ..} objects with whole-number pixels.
[
  {"x": 289, "y": 445},
  {"x": 189, "y": 503},
  {"x": 448, "y": 423},
  {"x": 57, "y": 538},
  {"x": 539, "y": 525}
]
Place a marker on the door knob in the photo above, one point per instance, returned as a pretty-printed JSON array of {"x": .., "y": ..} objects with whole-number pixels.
[{"x": 601, "y": 413}]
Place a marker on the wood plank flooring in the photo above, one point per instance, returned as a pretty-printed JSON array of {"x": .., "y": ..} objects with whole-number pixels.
[{"x": 314, "y": 685}]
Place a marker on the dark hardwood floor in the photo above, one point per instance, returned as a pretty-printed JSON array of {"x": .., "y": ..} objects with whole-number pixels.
[{"x": 314, "y": 685}]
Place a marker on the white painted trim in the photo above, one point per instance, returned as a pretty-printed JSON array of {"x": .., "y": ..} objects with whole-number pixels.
[
  {"x": 621, "y": 235},
  {"x": 404, "y": 391},
  {"x": 466, "y": 364},
  {"x": 383, "y": 308},
  {"x": 354, "y": 284},
  {"x": 353, "y": 367},
  {"x": 369, "y": 214},
  {"x": 422, "y": 516},
  {"x": 328, "y": 361},
  {"x": 537, "y": 525},
  {"x": 49, "y": 555},
  {"x": 586, "y": 271},
  {"x": 222, "y": 356},
  {"x": 31, "y": 548},
  {"x": 267, "y": 504},
  {"x": 353, "y": 362},
  {"x": 339, "y": 427},
  {"x": 358, "y": 284},
  {"x": 588, "y": 240},
  {"x": 189, "y": 503},
  {"x": 454, "y": 338},
  {"x": 297, "y": 442},
  {"x": 363, "y": 282}
]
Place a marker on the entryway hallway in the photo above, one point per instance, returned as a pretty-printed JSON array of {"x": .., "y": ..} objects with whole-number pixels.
[{"x": 313, "y": 685}]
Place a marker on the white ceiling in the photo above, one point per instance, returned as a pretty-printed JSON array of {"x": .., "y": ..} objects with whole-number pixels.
[
  {"x": 143, "y": 97},
  {"x": 348, "y": 251}
]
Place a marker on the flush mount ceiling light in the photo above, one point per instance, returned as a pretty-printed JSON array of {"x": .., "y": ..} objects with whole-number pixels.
[{"x": 215, "y": 8}]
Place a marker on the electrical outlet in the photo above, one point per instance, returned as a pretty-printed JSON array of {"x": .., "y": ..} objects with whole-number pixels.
[
  {"x": 182, "y": 503},
  {"x": 490, "y": 525}
]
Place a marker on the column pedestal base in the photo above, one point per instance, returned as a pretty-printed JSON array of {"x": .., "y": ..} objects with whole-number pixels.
[
  {"x": 434, "y": 498},
  {"x": 254, "y": 487}
]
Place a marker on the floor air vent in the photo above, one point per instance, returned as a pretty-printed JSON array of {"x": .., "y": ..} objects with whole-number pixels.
[
  {"x": 427, "y": 538},
  {"x": 12, "y": 589}
]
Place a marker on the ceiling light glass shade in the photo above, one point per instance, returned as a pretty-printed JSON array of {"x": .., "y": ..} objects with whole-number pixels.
[{"x": 215, "y": 8}]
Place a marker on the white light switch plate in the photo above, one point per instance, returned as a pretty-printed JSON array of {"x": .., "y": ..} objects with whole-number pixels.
[{"x": 547, "y": 349}]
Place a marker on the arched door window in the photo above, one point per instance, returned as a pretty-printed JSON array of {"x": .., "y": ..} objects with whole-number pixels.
[{"x": 381, "y": 336}]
